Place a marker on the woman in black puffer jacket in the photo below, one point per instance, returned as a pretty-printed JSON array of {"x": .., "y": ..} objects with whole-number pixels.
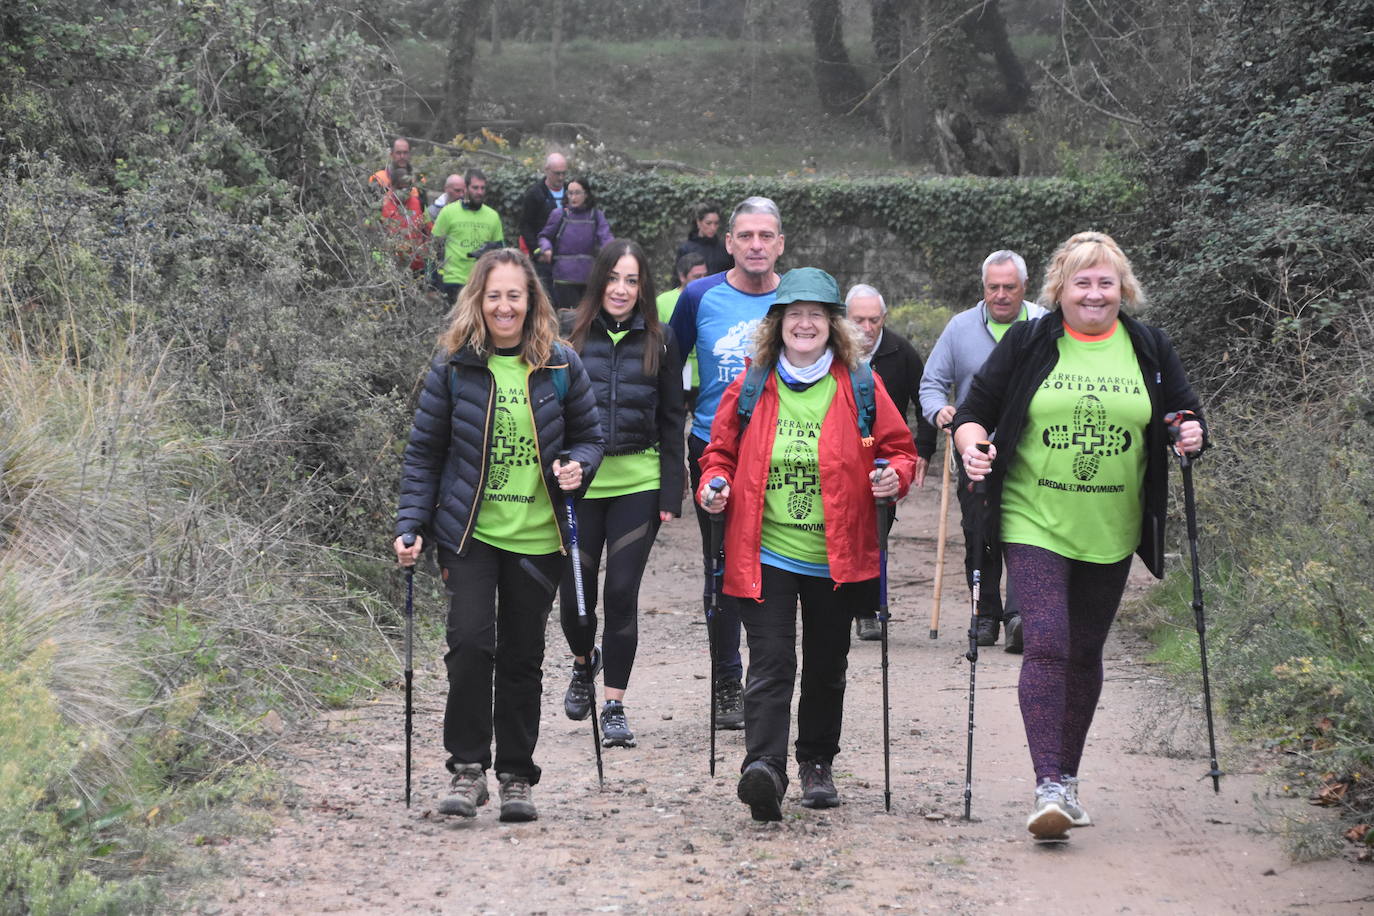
[
  {"x": 480, "y": 481},
  {"x": 705, "y": 238},
  {"x": 636, "y": 372}
]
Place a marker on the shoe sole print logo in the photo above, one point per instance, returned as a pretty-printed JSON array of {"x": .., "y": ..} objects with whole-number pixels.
[
  {"x": 509, "y": 449},
  {"x": 1091, "y": 434},
  {"x": 799, "y": 473}
]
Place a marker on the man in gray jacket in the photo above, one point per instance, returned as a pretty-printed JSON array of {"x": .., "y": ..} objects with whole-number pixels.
[{"x": 959, "y": 353}]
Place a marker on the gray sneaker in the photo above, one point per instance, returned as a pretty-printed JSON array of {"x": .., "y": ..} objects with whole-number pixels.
[
  {"x": 467, "y": 792},
  {"x": 868, "y": 628},
  {"x": 1077, "y": 816},
  {"x": 516, "y": 804},
  {"x": 1050, "y": 820}
]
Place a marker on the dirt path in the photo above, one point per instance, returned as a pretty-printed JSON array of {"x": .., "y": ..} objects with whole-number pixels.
[{"x": 663, "y": 837}]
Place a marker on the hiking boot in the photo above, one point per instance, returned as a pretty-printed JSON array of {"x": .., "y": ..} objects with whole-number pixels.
[
  {"x": 868, "y": 629},
  {"x": 1014, "y": 644},
  {"x": 818, "y": 785},
  {"x": 987, "y": 630},
  {"x": 615, "y": 731},
  {"x": 1050, "y": 820},
  {"x": 577, "y": 700},
  {"x": 1077, "y": 816},
  {"x": 516, "y": 804},
  {"x": 729, "y": 704},
  {"x": 467, "y": 791},
  {"x": 761, "y": 789}
]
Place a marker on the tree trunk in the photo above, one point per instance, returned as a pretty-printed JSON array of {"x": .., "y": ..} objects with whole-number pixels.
[
  {"x": 556, "y": 42},
  {"x": 465, "y": 15},
  {"x": 886, "y": 20},
  {"x": 495, "y": 30},
  {"x": 837, "y": 81}
]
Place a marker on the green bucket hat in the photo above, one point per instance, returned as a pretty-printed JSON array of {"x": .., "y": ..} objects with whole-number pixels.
[{"x": 808, "y": 284}]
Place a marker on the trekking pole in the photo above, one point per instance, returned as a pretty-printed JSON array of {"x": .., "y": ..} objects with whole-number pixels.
[
  {"x": 408, "y": 540},
  {"x": 717, "y": 571},
  {"x": 940, "y": 538},
  {"x": 979, "y": 489},
  {"x": 583, "y": 618},
  {"x": 1185, "y": 463},
  {"x": 884, "y": 507}
]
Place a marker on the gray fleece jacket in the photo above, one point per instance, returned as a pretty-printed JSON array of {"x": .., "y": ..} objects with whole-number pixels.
[{"x": 960, "y": 352}]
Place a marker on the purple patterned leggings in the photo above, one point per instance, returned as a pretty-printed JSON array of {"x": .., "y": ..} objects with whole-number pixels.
[{"x": 1067, "y": 607}]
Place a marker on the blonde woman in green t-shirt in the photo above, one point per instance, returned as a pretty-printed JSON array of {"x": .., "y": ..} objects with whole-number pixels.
[
  {"x": 1076, "y": 483},
  {"x": 480, "y": 482}
]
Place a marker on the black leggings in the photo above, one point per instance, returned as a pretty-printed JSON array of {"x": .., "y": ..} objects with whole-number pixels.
[{"x": 629, "y": 525}]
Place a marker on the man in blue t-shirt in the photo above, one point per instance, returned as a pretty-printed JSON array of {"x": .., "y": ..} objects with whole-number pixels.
[{"x": 718, "y": 315}]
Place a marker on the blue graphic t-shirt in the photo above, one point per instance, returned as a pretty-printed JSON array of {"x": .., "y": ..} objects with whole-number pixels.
[{"x": 719, "y": 321}]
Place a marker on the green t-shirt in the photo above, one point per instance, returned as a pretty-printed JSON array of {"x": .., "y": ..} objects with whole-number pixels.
[
  {"x": 463, "y": 231},
  {"x": 620, "y": 475},
  {"x": 1076, "y": 485},
  {"x": 997, "y": 328},
  {"x": 515, "y": 514},
  {"x": 793, "y": 518},
  {"x": 667, "y": 304}
]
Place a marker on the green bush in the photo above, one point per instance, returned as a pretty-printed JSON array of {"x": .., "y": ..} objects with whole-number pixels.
[
  {"x": 946, "y": 223},
  {"x": 45, "y": 841}
]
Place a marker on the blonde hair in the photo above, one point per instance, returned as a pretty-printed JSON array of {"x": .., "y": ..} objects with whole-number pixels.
[
  {"x": 1084, "y": 250},
  {"x": 846, "y": 341},
  {"x": 468, "y": 328}
]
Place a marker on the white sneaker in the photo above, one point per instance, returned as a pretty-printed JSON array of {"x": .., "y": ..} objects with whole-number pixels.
[
  {"x": 1077, "y": 816},
  {"x": 1050, "y": 820}
]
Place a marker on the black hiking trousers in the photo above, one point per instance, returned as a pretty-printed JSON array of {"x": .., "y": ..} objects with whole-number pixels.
[
  {"x": 499, "y": 602},
  {"x": 771, "y": 628}
]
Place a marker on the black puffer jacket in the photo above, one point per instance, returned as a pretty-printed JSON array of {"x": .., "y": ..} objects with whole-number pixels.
[
  {"x": 999, "y": 400},
  {"x": 712, "y": 249},
  {"x": 636, "y": 410},
  {"x": 446, "y": 458}
]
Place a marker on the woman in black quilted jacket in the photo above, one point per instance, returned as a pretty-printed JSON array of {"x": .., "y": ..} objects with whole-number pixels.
[
  {"x": 481, "y": 482},
  {"x": 636, "y": 372}
]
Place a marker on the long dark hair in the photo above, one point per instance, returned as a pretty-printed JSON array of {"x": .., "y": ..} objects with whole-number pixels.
[{"x": 590, "y": 306}]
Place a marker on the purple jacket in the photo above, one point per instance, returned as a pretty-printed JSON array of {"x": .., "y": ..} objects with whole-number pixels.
[{"x": 574, "y": 237}]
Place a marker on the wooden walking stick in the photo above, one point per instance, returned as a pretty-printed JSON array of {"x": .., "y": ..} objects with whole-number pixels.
[{"x": 940, "y": 539}]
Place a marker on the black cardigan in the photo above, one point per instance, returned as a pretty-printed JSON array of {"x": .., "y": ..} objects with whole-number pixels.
[{"x": 1000, "y": 397}]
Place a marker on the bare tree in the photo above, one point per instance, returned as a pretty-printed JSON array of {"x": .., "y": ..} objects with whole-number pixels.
[
  {"x": 465, "y": 17},
  {"x": 837, "y": 81}
]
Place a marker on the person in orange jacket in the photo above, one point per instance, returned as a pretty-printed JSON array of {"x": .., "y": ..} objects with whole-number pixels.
[{"x": 801, "y": 526}]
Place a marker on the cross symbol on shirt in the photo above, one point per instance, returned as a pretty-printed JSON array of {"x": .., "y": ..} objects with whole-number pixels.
[
  {"x": 502, "y": 449},
  {"x": 800, "y": 479},
  {"x": 1089, "y": 438}
]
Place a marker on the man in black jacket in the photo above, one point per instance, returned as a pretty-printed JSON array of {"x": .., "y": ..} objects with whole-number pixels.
[
  {"x": 542, "y": 198},
  {"x": 894, "y": 359}
]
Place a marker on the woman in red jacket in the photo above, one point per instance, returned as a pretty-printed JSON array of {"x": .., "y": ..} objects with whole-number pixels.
[{"x": 800, "y": 489}]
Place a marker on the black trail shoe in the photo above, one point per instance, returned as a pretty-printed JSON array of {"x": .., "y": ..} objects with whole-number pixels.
[
  {"x": 1014, "y": 642},
  {"x": 868, "y": 629},
  {"x": 987, "y": 630},
  {"x": 467, "y": 792},
  {"x": 761, "y": 789},
  {"x": 729, "y": 704},
  {"x": 516, "y": 804},
  {"x": 615, "y": 730},
  {"x": 577, "y": 700},
  {"x": 818, "y": 785}
]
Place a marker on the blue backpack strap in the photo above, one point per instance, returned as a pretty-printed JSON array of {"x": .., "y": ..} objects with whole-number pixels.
[
  {"x": 749, "y": 392},
  {"x": 861, "y": 380},
  {"x": 560, "y": 373}
]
